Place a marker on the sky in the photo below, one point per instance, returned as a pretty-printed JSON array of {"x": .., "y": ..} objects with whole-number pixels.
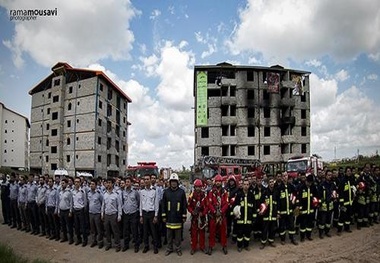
[{"x": 149, "y": 49}]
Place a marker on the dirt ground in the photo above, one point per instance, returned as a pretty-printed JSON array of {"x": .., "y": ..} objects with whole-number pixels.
[{"x": 359, "y": 246}]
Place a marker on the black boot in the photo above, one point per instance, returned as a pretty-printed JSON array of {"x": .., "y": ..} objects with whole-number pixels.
[{"x": 321, "y": 233}]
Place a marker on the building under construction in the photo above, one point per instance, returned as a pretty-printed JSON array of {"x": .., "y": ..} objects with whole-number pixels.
[{"x": 251, "y": 112}]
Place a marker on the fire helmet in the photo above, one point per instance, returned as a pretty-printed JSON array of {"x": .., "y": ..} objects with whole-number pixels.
[
  {"x": 263, "y": 208},
  {"x": 236, "y": 211},
  {"x": 361, "y": 186},
  {"x": 174, "y": 176},
  {"x": 218, "y": 178},
  {"x": 315, "y": 202},
  {"x": 198, "y": 183}
]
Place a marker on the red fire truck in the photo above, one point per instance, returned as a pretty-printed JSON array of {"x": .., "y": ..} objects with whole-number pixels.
[
  {"x": 308, "y": 165},
  {"x": 209, "y": 166},
  {"x": 141, "y": 169}
]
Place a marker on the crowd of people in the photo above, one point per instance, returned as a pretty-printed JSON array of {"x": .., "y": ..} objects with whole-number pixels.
[{"x": 123, "y": 212}]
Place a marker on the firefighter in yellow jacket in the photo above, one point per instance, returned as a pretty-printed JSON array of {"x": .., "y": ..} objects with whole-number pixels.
[
  {"x": 174, "y": 212},
  {"x": 244, "y": 211},
  {"x": 307, "y": 202}
]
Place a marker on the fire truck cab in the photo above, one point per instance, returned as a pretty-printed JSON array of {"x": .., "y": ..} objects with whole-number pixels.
[
  {"x": 142, "y": 168},
  {"x": 308, "y": 165},
  {"x": 209, "y": 166}
]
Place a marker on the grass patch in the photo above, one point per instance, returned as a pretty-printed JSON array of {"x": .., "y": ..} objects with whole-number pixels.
[{"x": 7, "y": 255}]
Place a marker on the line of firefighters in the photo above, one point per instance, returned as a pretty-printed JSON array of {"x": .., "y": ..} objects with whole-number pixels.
[
  {"x": 283, "y": 205},
  {"x": 264, "y": 207}
]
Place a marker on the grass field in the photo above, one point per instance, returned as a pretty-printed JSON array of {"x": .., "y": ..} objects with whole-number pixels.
[{"x": 7, "y": 255}]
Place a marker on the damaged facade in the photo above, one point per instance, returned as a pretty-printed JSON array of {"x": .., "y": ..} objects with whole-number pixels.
[{"x": 251, "y": 112}]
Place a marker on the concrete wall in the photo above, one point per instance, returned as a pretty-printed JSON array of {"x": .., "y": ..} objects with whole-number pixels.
[
  {"x": 252, "y": 96},
  {"x": 14, "y": 134},
  {"x": 77, "y": 126}
]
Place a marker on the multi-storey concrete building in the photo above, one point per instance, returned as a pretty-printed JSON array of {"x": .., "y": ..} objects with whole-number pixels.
[
  {"x": 79, "y": 122},
  {"x": 14, "y": 137},
  {"x": 251, "y": 112}
]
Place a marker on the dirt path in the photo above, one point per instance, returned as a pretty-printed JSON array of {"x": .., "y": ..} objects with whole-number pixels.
[{"x": 359, "y": 246}]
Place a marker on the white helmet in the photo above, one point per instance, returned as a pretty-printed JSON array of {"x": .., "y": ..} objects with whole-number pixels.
[
  {"x": 173, "y": 176},
  {"x": 236, "y": 211}
]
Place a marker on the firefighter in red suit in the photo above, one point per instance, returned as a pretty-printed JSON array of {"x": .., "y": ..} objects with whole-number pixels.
[
  {"x": 197, "y": 205},
  {"x": 217, "y": 200}
]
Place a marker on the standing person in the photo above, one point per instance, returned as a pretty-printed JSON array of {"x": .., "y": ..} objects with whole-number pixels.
[
  {"x": 271, "y": 199},
  {"x": 131, "y": 201},
  {"x": 51, "y": 204},
  {"x": 32, "y": 205},
  {"x": 57, "y": 182},
  {"x": 174, "y": 212},
  {"x": 5, "y": 201},
  {"x": 65, "y": 211},
  {"x": 94, "y": 201},
  {"x": 327, "y": 195},
  {"x": 346, "y": 197},
  {"x": 149, "y": 204},
  {"x": 22, "y": 201},
  {"x": 13, "y": 196},
  {"x": 41, "y": 206},
  {"x": 217, "y": 209},
  {"x": 79, "y": 205},
  {"x": 257, "y": 189},
  {"x": 111, "y": 215},
  {"x": 245, "y": 200},
  {"x": 364, "y": 193},
  {"x": 285, "y": 209},
  {"x": 306, "y": 193},
  {"x": 377, "y": 179},
  {"x": 232, "y": 189},
  {"x": 197, "y": 207}
]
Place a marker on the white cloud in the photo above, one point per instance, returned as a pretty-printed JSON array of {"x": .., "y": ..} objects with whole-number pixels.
[
  {"x": 155, "y": 13},
  {"x": 372, "y": 76},
  {"x": 149, "y": 64},
  {"x": 322, "y": 92},
  {"x": 375, "y": 57},
  {"x": 314, "y": 62},
  {"x": 347, "y": 121},
  {"x": 199, "y": 37},
  {"x": 342, "y": 75},
  {"x": 162, "y": 118},
  {"x": 211, "y": 50},
  {"x": 73, "y": 35},
  {"x": 254, "y": 61},
  {"x": 300, "y": 29},
  {"x": 210, "y": 41},
  {"x": 176, "y": 77}
]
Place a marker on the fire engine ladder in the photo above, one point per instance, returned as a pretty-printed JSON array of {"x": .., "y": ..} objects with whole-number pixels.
[{"x": 212, "y": 160}]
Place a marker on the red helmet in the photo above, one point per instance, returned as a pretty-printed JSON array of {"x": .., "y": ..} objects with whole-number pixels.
[
  {"x": 263, "y": 208},
  {"x": 198, "y": 183},
  {"x": 361, "y": 186},
  {"x": 218, "y": 178},
  {"x": 315, "y": 202}
]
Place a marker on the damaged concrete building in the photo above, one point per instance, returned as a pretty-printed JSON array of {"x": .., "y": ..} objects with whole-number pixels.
[{"x": 251, "y": 112}]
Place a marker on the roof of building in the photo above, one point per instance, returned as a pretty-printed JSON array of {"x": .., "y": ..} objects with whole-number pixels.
[
  {"x": 226, "y": 65},
  {"x": 26, "y": 119},
  {"x": 74, "y": 74}
]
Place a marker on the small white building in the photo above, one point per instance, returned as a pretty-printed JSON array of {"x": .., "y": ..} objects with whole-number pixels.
[{"x": 14, "y": 137}]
